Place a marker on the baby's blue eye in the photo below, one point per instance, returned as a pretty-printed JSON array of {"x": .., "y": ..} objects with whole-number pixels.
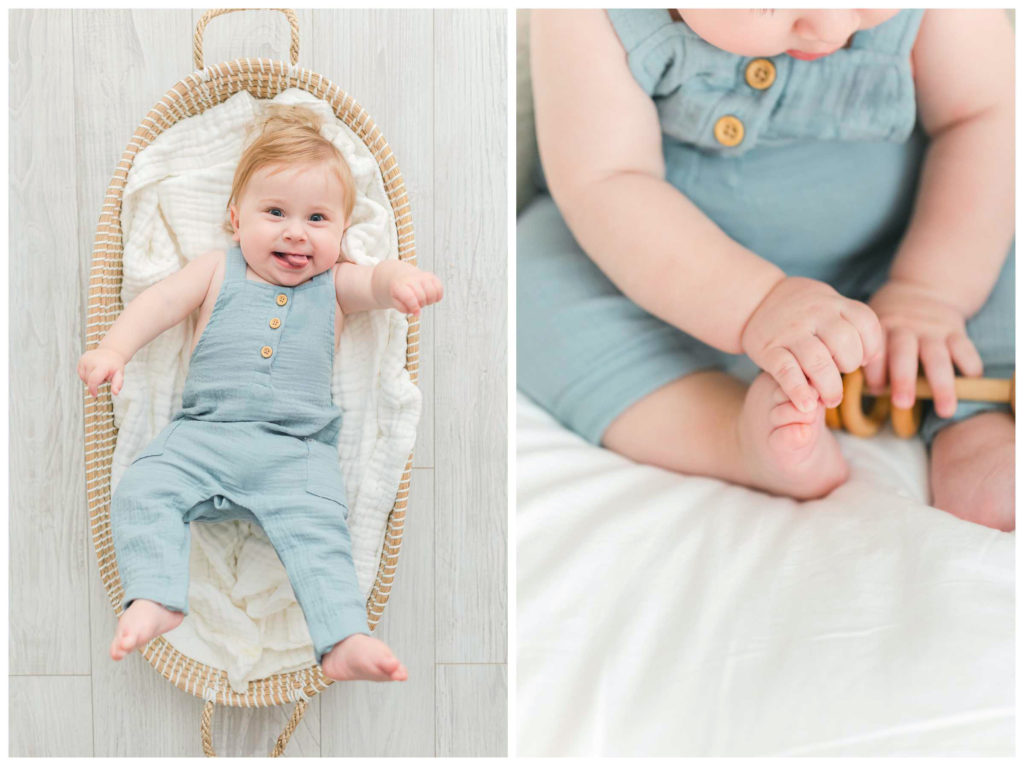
[
  {"x": 276, "y": 211},
  {"x": 317, "y": 217}
]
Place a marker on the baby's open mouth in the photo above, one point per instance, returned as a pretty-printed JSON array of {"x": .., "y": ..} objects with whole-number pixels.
[{"x": 295, "y": 260}]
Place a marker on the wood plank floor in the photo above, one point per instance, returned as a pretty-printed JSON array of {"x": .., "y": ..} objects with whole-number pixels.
[{"x": 435, "y": 82}]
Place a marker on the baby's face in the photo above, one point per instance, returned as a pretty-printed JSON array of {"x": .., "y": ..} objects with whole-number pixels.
[
  {"x": 802, "y": 33},
  {"x": 289, "y": 221}
]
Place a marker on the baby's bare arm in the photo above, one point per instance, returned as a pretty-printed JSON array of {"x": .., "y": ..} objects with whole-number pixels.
[
  {"x": 600, "y": 142},
  {"x": 158, "y": 308},
  {"x": 962, "y": 224},
  {"x": 389, "y": 284},
  {"x": 161, "y": 306},
  {"x": 960, "y": 232}
]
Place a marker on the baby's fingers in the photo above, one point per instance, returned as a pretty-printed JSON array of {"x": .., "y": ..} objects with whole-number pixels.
[
  {"x": 903, "y": 352},
  {"x": 844, "y": 343},
  {"x": 817, "y": 363},
  {"x": 874, "y": 373},
  {"x": 938, "y": 370},
  {"x": 406, "y": 298},
  {"x": 433, "y": 289},
  {"x": 95, "y": 378},
  {"x": 421, "y": 293},
  {"x": 784, "y": 368},
  {"x": 865, "y": 321},
  {"x": 117, "y": 383},
  {"x": 966, "y": 356}
]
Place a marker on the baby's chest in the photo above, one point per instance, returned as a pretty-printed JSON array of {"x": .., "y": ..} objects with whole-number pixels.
[{"x": 253, "y": 316}]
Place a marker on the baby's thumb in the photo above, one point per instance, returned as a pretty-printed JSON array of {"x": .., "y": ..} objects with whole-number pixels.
[{"x": 117, "y": 382}]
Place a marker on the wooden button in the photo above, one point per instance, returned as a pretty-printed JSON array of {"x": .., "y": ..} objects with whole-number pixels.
[
  {"x": 282, "y": 299},
  {"x": 266, "y": 351},
  {"x": 760, "y": 74},
  {"x": 729, "y": 130},
  {"x": 275, "y": 323}
]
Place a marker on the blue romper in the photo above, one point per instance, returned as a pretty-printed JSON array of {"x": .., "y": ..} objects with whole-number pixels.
[
  {"x": 822, "y": 184},
  {"x": 256, "y": 439}
]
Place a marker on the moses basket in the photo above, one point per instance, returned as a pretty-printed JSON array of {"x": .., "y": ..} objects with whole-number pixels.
[{"x": 202, "y": 89}]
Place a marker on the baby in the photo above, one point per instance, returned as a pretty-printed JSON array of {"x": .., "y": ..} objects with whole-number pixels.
[
  {"x": 256, "y": 437},
  {"x": 820, "y": 190}
]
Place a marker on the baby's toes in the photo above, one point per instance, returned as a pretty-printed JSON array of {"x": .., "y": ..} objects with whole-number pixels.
[
  {"x": 120, "y": 646},
  {"x": 785, "y": 414},
  {"x": 399, "y": 673},
  {"x": 388, "y": 664},
  {"x": 792, "y": 438}
]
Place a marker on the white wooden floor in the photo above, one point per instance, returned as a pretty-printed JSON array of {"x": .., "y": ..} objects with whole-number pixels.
[{"x": 434, "y": 81}]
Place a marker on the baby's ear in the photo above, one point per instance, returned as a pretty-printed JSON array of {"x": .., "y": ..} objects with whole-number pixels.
[{"x": 233, "y": 213}]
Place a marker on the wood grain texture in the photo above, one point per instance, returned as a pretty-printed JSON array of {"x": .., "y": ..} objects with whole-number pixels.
[
  {"x": 80, "y": 83},
  {"x": 32, "y": 734},
  {"x": 471, "y": 710},
  {"x": 471, "y": 355},
  {"x": 49, "y": 554}
]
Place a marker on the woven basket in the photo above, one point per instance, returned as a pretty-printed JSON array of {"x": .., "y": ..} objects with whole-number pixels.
[{"x": 204, "y": 88}]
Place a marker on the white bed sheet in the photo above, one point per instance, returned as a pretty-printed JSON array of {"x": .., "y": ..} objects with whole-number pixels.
[{"x": 660, "y": 614}]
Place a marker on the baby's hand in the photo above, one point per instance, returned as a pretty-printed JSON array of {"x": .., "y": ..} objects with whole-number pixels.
[
  {"x": 804, "y": 334},
  {"x": 919, "y": 323},
  {"x": 100, "y": 365},
  {"x": 413, "y": 289}
]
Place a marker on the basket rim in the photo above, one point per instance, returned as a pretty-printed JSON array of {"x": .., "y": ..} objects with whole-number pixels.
[{"x": 191, "y": 96}]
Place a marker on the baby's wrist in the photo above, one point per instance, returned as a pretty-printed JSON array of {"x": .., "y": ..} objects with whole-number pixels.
[
  {"x": 760, "y": 294},
  {"x": 385, "y": 274},
  {"x": 106, "y": 348},
  {"x": 921, "y": 289}
]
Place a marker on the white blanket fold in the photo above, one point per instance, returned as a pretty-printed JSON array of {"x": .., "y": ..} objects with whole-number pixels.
[
  {"x": 661, "y": 614},
  {"x": 244, "y": 617}
]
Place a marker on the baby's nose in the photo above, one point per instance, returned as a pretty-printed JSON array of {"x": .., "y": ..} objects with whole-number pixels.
[
  {"x": 830, "y": 27},
  {"x": 295, "y": 230}
]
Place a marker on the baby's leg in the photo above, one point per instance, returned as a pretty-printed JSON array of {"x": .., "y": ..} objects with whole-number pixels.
[
  {"x": 972, "y": 458},
  {"x": 311, "y": 538},
  {"x": 972, "y": 470},
  {"x": 711, "y": 424},
  {"x": 152, "y": 540}
]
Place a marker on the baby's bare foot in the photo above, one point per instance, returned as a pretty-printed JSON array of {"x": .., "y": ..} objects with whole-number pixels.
[
  {"x": 140, "y": 623},
  {"x": 362, "y": 658},
  {"x": 972, "y": 470},
  {"x": 788, "y": 452}
]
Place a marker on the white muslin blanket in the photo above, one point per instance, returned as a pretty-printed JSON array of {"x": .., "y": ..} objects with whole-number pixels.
[
  {"x": 660, "y": 614},
  {"x": 243, "y": 614}
]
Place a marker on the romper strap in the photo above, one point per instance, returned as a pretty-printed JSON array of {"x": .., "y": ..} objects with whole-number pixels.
[
  {"x": 896, "y": 36},
  {"x": 634, "y": 26},
  {"x": 653, "y": 43},
  {"x": 234, "y": 265}
]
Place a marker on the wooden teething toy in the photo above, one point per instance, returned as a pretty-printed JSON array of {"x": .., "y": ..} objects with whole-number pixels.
[{"x": 906, "y": 422}]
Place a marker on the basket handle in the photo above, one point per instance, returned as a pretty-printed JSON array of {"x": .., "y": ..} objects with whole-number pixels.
[
  {"x": 282, "y": 740},
  {"x": 197, "y": 38}
]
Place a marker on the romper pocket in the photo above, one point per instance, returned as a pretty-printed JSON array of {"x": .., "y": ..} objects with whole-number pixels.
[
  {"x": 156, "y": 447},
  {"x": 323, "y": 475}
]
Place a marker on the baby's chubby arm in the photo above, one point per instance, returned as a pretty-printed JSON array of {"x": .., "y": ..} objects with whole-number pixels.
[
  {"x": 601, "y": 145},
  {"x": 389, "y": 284},
  {"x": 962, "y": 225},
  {"x": 156, "y": 309}
]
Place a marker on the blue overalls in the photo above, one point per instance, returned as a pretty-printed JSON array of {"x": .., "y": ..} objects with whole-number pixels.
[
  {"x": 256, "y": 439},
  {"x": 821, "y": 182}
]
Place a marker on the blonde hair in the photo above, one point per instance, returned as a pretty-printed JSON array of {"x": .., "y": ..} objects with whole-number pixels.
[{"x": 287, "y": 135}]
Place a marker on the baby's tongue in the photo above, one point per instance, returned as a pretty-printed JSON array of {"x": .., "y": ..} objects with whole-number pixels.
[{"x": 295, "y": 260}]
